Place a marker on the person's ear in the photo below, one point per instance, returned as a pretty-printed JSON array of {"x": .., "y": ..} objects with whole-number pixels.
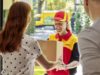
[
  {"x": 86, "y": 6},
  {"x": 86, "y": 2}
]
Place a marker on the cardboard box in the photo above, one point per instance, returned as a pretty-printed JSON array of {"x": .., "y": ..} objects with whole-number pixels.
[{"x": 51, "y": 49}]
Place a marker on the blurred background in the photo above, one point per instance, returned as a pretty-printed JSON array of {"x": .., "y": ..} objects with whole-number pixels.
[{"x": 42, "y": 24}]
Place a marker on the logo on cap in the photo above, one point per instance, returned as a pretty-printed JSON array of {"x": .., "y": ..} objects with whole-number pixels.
[{"x": 61, "y": 16}]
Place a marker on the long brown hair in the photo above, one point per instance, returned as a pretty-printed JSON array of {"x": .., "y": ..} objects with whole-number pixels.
[{"x": 11, "y": 35}]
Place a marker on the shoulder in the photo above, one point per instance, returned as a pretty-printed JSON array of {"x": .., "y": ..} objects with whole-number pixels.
[
  {"x": 52, "y": 36},
  {"x": 89, "y": 33},
  {"x": 93, "y": 31},
  {"x": 89, "y": 37},
  {"x": 28, "y": 40},
  {"x": 31, "y": 44},
  {"x": 84, "y": 32},
  {"x": 96, "y": 26},
  {"x": 74, "y": 37}
]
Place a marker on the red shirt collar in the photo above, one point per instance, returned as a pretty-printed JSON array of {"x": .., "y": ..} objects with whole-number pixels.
[{"x": 65, "y": 37}]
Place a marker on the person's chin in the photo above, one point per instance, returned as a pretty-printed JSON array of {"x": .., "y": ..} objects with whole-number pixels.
[{"x": 59, "y": 33}]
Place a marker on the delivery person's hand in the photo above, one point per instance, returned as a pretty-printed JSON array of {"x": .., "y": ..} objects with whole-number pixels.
[{"x": 60, "y": 65}]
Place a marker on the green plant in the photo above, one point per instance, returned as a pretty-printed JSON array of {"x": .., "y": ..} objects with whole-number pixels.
[{"x": 31, "y": 27}]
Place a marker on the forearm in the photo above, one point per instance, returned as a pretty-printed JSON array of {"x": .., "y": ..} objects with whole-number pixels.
[
  {"x": 72, "y": 64},
  {"x": 45, "y": 63}
]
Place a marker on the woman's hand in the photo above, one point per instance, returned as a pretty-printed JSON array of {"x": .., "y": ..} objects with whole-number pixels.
[{"x": 60, "y": 65}]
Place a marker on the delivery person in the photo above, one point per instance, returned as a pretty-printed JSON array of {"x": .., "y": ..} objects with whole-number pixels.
[{"x": 70, "y": 46}]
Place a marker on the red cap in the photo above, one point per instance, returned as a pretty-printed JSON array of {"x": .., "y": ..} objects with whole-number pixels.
[{"x": 61, "y": 16}]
